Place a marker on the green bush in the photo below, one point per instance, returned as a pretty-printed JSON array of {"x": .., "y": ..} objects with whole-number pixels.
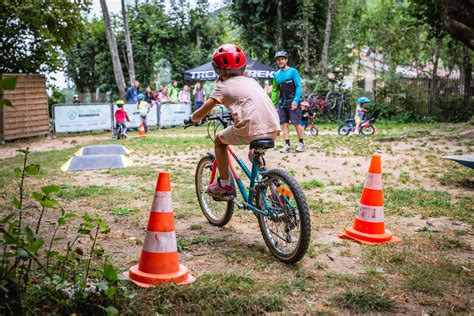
[{"x": 52, "y": 274}]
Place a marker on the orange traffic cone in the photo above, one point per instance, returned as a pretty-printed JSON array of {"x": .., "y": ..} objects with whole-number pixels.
[
  {"x": 141, "y": 130},
  {"x": 369, "y": 227},
  {"x": 159, "y": 258}
]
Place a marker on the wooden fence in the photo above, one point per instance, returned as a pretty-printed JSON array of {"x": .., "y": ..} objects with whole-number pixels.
[{"x": 28, "y": 115}]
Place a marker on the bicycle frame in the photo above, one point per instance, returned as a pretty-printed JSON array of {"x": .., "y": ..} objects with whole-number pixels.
[{"x": 253, "y": 175}]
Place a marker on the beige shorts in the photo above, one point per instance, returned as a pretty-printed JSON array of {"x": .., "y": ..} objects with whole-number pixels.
[{"x": 229, "y": 137}]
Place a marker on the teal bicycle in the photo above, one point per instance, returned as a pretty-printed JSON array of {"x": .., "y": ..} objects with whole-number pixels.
[{"x": 273, "y": 196}]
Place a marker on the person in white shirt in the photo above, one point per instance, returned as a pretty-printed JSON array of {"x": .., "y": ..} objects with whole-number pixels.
[{"x": 184, "y": 96}]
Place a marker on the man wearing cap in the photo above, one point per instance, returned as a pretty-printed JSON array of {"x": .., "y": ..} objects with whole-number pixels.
[{"x": 286, "y": 94}]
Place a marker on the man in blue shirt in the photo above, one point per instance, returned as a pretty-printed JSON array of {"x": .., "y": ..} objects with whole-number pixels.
[
  {"x": 132, "y": 93},
  {"x": 286, "y": 95}
]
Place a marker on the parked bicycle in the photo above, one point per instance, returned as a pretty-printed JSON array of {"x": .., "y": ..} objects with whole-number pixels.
[
  {"x": 273, "y": 195},
  {"x": 367, "y": 127},
  {"x": 333, "y": 106}
]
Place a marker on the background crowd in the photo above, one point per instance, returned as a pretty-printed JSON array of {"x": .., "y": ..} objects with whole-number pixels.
[{"x": 167, "y": 94}]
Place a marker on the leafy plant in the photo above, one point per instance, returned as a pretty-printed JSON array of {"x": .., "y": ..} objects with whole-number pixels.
[
  {"x": 8, "y": 83},
  {"x": 52, "y": 274}
]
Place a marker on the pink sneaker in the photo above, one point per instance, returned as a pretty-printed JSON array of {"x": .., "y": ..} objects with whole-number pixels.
[{"x": 219, "y": 192}]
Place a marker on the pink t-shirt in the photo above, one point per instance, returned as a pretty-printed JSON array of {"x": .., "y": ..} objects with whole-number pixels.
[{"x": 252, "y": 110}]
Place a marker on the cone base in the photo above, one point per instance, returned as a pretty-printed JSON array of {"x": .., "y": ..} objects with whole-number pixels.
[
  {"x": 147, "y": 280},
  {"x": 368, "y": 239}
]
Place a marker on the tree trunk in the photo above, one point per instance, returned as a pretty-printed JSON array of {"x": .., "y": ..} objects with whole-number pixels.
[
  {"x": 434, "y": 77},
  {"x": 128, "y": 45},
  {"x": 279, "y": 39},
  {"x": 467, "y": 78},
  {"x": 113, "y": 50},
  {"x": 327, "y": 38},
  {"x": 306, "y": 31}
]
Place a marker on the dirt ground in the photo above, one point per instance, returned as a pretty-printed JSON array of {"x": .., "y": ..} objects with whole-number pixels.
[{"x": 412, "y": 164}]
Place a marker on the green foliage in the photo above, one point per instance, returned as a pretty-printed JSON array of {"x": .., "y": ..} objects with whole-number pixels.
[
  {"x": 263, "y": 32},
  {"x": 8, "y": 83},
  {"x": 33, "y": 35},
  {"x": 52, "y": 274},
  {"x": 183, "y": 39}
]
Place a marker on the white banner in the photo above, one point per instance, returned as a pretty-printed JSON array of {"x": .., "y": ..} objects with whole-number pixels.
[
  {"x": 79, "y": 118},
  {"x": 134, "y": 115},
  {"x": 174, "y": 113}
]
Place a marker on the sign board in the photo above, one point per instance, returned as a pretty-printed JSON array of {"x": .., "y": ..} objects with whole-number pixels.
[
  {"x": 174, "y": 113},
  {"x": 134, "y": 115},
  {"x": 79, "y": 118}
]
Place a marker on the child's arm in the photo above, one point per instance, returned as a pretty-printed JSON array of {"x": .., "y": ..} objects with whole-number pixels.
[
  {"x": 204, "y": 110},
  {"x": 126, "y": 116}
]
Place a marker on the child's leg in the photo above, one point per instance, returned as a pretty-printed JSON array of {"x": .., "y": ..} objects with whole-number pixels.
[{"x": 222, "y": 158}]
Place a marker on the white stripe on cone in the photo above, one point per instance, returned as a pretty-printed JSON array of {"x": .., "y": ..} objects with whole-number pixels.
[
  {"x": 373, "y": 181},
  {"x": 372, "y": 214},
  {"x": 162, "y": 202},
  {"x": 160, "y": 242}
]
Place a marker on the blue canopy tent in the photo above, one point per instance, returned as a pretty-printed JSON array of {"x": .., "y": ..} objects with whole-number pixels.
[{"x": 254, "y": 69}]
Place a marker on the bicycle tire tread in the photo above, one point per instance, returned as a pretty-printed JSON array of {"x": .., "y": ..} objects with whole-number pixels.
[{"x": 305, "y": 220}]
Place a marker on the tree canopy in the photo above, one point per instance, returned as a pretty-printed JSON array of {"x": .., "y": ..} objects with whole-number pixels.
[{"x": 35, "y": 34}]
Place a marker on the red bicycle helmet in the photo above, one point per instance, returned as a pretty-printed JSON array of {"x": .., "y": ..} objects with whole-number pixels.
[{"x": 229, "y": 59}]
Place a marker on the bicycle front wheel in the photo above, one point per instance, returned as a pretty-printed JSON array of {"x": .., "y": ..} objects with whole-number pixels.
[
  {"x": 288, "y": 235},
  {"x": 367, "y": 130},
  {"x": 344, "y": 129},
  {"x": 218, "y": 213}
]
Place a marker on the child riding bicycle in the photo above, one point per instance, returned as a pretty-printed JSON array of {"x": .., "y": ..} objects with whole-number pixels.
[
  {"x": 362, "y": 102},
  {"x": 121, "y": 117},
  {"x": 307, "y": 114},
  {"x": 252, "y": 111}
]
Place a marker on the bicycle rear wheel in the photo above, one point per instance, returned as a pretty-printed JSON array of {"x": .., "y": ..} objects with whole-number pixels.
[
  {"x": 314, "y": 131},
  {"x": 218, "y": 213},
  {"x": 287, "y": 237}
]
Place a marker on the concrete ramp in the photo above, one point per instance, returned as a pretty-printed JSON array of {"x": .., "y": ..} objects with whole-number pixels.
[
  {"x": 109, "y": 149},
  {"x": 465, "y": 160},
  {"x": 98, "y": 157}
]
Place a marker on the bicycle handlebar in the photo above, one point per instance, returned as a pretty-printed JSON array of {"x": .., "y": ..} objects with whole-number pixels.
[{"x": 222, "y": 118}]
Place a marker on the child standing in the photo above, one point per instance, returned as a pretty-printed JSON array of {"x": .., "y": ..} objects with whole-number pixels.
[
  {"x": 360, "y": 111},
  {"x": 199, "y": 96},
  {"x": 254, "y": 116},
  {"x": 143, "y": 107},
  {"x": 121, "y": 117}
]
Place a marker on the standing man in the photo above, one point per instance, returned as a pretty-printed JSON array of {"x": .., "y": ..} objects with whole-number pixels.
[
  {"x": 286, "y": 94},
  {"x": 132, "y": 93}
]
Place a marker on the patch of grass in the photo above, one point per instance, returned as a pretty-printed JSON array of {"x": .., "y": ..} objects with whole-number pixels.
[
  {"x": 425, "y": 280},
  {"x": 184, "y": 243},
  {"x": 196, "y": 227},
  {"x": 320, "y": 206},
  {"x": 447, "y": 243},
  {"x": 291, "y": 171},
  {"x": 404, "y": 177},
  {"x": 363, "y": 301},
  {"x": 124, "y": 211},
  {"x": 313, "y": 184},
  {"x": 229, "y": 293},
  {"x": 205, "y": 241},
  {"x": 428, "y": 204},
  {"x": 457, "y": 176},
  {"x": 72, "y": 191}
]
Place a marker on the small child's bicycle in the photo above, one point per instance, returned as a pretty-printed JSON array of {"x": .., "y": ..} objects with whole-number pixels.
[
  {"x": 273, "y": 196},
  {"x": 366, "y": 127}
]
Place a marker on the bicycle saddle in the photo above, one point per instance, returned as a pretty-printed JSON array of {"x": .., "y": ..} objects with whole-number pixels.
[{"x": 262, "y": 144}]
